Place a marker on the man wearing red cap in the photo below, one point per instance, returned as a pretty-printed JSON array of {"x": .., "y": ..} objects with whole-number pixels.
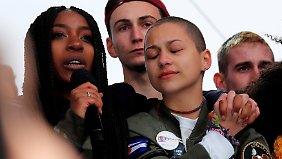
[{"x": 126, "y": 38}]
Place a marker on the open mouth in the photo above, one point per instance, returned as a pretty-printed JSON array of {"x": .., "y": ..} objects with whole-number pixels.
[{"x": 75, "y": 64}]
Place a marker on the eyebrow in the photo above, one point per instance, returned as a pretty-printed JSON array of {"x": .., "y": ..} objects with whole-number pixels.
[
  {"x": 245, "y": 63},
  {"x": 146, "y": 17},
  {"x": 266, "y": 62},
  {"x": 248, "y": 63},
  {"x": 172, "y": 41},
  {"x": 65, "y": 26},
  {"x": 140, "y": 18},
  {"x": 156, "y": 47}
]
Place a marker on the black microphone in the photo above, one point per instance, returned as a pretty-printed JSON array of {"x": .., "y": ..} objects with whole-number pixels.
[
  {"x": 81, "y": 76},
  {"x": 93, "y": 123}
]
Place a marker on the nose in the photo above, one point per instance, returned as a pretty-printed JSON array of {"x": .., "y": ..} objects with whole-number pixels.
[
  {"x": 164, "y": 59},
  {"x": 137, "y": 35},
  {"x": 256, "y": 73},
  {"x": 74, "y": 44}
]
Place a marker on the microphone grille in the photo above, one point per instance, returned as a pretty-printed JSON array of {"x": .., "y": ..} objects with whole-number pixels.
[{"x": 81, "y": 76}]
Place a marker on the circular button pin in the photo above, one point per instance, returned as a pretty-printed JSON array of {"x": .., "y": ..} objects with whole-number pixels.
[{"x": 167, "y": 140}]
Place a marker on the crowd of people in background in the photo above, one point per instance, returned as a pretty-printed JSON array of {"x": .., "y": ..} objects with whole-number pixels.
[{"x": 160, "y": 109}]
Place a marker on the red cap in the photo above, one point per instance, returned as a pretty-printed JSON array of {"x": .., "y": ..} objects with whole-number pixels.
[{"x": 113, "y": 4}]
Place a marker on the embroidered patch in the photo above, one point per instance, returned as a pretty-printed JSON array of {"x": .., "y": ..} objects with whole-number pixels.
[
  {"x": 255, "y": 150},
  {"x": 137, "y": 146}
]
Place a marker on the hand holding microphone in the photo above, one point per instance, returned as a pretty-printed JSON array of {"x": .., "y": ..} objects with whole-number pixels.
[
  {"x": 85, "y": 101},
  {"x": 85, "y": 93}
]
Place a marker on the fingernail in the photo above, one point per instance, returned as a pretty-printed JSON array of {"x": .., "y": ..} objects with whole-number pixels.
[
  {"x": 241, "y": 121},
  {"x": 235, "y": 114},
  {"x": 244, "y": 125},
  {"x": 223, "y": 118}
]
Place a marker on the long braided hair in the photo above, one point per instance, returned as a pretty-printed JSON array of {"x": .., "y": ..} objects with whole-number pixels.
[{"x": 40, "y": 34}]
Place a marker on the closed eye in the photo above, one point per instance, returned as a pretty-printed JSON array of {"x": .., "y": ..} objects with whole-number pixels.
[
  {"x": 175, "y": 51},
  {"x": 176, "y": 46},
  {"x": 151, "y": 53},
  {"x": 152, "y": 57}
]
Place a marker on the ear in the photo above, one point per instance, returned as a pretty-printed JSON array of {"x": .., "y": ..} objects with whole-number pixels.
[
  {"x": 206, "y": 60},
  {"x": 218, "y": 80},
  {"x": 110, "y": 48}
]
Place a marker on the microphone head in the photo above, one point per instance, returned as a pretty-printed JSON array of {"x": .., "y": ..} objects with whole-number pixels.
[{"x": 81, "y": 76}]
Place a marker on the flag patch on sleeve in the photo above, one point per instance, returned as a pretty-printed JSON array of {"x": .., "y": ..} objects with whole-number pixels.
[{"x": 137, "y": 146}]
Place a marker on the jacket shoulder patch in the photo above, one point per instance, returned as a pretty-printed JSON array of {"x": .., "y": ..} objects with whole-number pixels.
[
  {"x": 255, "y": 150},
  {"x": 137, "y": 146}
]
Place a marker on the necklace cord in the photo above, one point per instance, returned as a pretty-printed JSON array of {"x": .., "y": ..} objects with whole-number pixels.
[{"x": 183, "y": 112}]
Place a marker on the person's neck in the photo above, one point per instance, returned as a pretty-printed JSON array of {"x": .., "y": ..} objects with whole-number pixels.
[
  {"x": 141, "y": 84},
  {"x": 185, "y": 101}
]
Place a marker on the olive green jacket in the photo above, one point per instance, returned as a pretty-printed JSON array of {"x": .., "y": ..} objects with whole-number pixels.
[
  {"x": 148, "y": 125},
  {"x": 73, "y": 128}
]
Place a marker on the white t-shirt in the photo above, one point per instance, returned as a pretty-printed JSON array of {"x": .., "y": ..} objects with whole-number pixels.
[{"x": 216, "y": 145}]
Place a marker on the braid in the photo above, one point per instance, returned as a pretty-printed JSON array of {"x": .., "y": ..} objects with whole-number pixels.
[
  {"x": 99, "y": 68},
  {"x": 114, "y": 118},
  {"x": 41, "y": 34},
  {"x": 40, "y": 31}
]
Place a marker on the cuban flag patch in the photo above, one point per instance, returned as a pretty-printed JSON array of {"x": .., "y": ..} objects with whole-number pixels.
[{"x": 137, "y": 146}]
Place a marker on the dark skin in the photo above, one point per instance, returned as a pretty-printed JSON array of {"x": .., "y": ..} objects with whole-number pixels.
[{"x": 72, "y": 50}]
